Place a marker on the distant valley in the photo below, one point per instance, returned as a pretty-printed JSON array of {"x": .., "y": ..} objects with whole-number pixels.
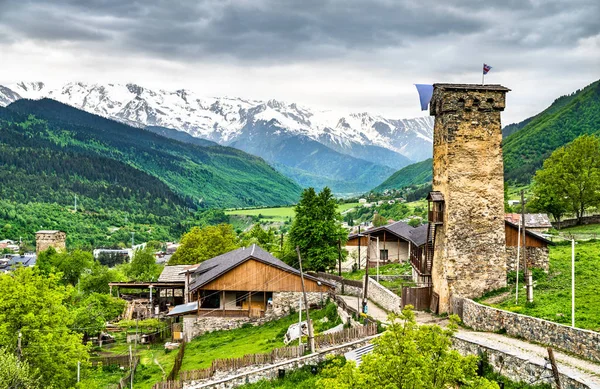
[{"x": 350, "y": 153}]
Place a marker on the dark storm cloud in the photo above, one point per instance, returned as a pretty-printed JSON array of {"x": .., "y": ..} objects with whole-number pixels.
[{"x": 264, "y": 30}]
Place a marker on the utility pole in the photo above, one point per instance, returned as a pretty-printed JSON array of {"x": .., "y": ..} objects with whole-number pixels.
[
  {"x": 340, "y": 261},
  {"x": 311, "y": 338},
  {"x": 359, "y": 239},
  {"x": 132, "y": 241},
  {"x": 554, "y": 367},
  {"x": 366, "y": 288},
  {"x": 300, "y": 324},
  {"x": 378, "y": 258},
  {"x": 573, "y": 282},
  {"x": 527, "y": 273},
  {"x": 518, "y": 262},
  {"x": 130, "y": 368}
]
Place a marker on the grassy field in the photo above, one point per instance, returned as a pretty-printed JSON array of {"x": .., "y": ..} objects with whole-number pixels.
[
  {"x": 391, "y": 269},
  {"x": 201, "y": 351},
  {"x": 280, "y": 214},
  {"x": 552, "y": 292}
]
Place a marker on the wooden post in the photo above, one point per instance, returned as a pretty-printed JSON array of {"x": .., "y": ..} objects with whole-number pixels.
[
  {"x": 554, "y": 367},
  {"x": 223, "y": 303},
  {"x": 359, "y": 239},
  {"x": 527, "y": 273},
  {"x": 399, "y": 250},
  {"x": 249, "y": 302},
  {"x": 388, "y": 257},
  {"x": 340, "y": 261},
  {"x": 311, "y": 338},
  {"x": 366, "y": 288}
]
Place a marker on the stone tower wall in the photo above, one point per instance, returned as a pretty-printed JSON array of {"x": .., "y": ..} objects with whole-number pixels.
[
  {"x": 45, "y": 240},
  {"x": 469, "y": 257}
]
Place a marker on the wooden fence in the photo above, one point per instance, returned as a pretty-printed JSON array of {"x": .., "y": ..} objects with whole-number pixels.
[
  {"x": 124, "y": 383},
  {"x": 227, "y": 364},
  {"x": 119, "y": 360},
  {"x": 347, "y": 335},
  {"x": 418, "y": 297},
  {"x": 290, "y": 352},
  {"x": 178, "y": 360}
]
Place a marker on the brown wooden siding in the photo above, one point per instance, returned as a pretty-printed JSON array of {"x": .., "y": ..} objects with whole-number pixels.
[
  {"x": 354, "y": 242},
  {"x": 254, "y": 275},
  {"x": 512, "y": 238}
]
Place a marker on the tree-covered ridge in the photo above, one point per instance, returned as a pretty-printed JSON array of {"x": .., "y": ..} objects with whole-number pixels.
[
  {"x": 566, "y": 119},
  {"x": 207, "y": 176},
  {"x": 415, "y": 174}
]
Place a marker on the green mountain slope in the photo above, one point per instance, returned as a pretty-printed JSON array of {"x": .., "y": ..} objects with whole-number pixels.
[
  {"x": 415, "y": 174},
  {"x": 566, "y": 119},
  {"x": 206, "y": 176},
  {"x": 528, "y": 143}
]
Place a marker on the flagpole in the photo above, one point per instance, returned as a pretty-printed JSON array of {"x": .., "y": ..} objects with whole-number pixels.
[{"x": 482, "y": 78}]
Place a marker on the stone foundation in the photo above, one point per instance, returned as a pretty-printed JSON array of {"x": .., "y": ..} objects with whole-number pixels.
[
  {"x": 285, "y": 302},
  {"x": 537, "y": 257}
]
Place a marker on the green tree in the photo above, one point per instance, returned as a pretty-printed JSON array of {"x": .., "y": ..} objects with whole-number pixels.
[
  {"x": 34, "y": 304},
  {"x": 94, "y": 311},
  {"x": 316, "y": 229},
  {"x": 71, "y": 264},
  {"x": 15, "y": 374},
  {"x": 379, "y": 220},
  {"x": 414, "y": 222},
  {"x": 143, "y": 266},
  {"x": 201, "y": 244},
  {"x": 412, "y": 356},
  {"x": 97, "y": 278},
  {"x": 267, "y": 239},
  {"x": 570, "y": 178}
]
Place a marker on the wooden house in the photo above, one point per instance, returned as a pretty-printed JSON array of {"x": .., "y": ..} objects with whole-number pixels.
[
  {"x": 248, "y": 282},
  {"x": 537, "y": 252}
]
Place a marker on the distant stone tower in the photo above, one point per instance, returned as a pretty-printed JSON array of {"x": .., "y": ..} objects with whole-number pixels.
[
  {"x": 468, "y": 183},
  {"x": 50, "y": 238}
]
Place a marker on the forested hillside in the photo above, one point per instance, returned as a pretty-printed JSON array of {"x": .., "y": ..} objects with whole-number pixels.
[
  {"x": 205, "y": 176},
  {"x": 415, "y": 174},
  {"x": 528, "y": 143},
  {"x": 566, "y": 119}
]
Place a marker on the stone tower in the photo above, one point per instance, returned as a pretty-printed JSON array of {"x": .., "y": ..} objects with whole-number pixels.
[
  {"x": 50, "y": 238},
  {"x": 469, "y": 249}
]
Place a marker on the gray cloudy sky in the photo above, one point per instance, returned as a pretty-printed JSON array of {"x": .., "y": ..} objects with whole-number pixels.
[{"x": 353, "y": 55}]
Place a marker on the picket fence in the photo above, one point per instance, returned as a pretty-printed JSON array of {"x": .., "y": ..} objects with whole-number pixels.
[{"x": 230, "y": 364}]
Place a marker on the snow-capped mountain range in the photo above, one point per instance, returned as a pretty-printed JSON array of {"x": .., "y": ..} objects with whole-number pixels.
[{"x": 266, "y": 128}]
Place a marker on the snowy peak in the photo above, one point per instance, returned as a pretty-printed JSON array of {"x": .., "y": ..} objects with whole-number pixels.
[{"x": 226, "y": 119}]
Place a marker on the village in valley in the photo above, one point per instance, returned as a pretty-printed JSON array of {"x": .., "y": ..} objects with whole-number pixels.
[
  {"x": 296, "y": 194},
  {"x": 466, "y": 278}
]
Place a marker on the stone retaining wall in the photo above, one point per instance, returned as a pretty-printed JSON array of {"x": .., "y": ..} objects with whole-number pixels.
[
  {"x": 593, "y": 219},
  {"x": 383, "y": 296},
  {"x": 537, "y": 257},
  {"x": 577, "y": 341},
  {"x": 252, "y": 374},
  {"x": 351, "y": 287},
  {"x": 515, "y": 367},
  {"x": 389, "y": 277}
]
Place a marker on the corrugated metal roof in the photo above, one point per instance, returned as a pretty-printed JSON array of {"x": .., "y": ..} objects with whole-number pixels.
[
  {"x": 184, "y": 308},
  {"x": 173, "y": 273}
]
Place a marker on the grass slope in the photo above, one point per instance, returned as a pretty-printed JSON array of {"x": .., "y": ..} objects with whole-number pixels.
[
  {"x": 209, "y": 176},
  {"x": 280, "y": 214},
  {"x": 552, "y": 294},
  {"x": 415, "y": 174}
]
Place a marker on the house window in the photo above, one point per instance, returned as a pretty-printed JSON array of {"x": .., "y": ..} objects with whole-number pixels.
[
  {"x": 210, "y": 299},
  {"x": 240, "y": 297},
  {"x": 383, "y": 255}
]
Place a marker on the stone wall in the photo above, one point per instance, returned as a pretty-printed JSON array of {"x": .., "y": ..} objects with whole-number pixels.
[
  {"x": 516, "y": 368},
  {"x": 388, "y": 277},
  {"x": 469, "y": 257},
  {"x": 537, "y": 257},
  {"x": 45, "y": 240},
  {"x": 285, "y": 302},
  {"x": 252, "y": 374},
  {"x": 577, "y": 341},
  {"x": 593, "y": 219},
  {"x": 383, "y": 297},
  {"x": 351, "y": 287}
]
